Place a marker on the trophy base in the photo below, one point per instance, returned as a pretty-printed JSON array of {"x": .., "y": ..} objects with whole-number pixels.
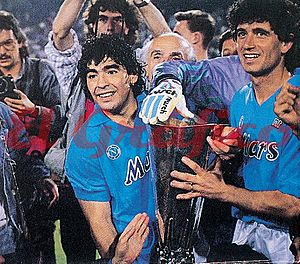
[{"x": 179, "y": 256}]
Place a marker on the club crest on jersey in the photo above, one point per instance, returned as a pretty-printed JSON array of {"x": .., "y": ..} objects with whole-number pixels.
[
  {"x": 113, "y": 152},
  {"x": 277, "y": 122}
]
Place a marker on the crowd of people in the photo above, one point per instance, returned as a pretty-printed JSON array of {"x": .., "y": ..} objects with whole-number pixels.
[{"x": 74, "y": 130}]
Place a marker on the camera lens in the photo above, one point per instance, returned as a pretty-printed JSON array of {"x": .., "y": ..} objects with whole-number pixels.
[{"x": 3, "y": 85}]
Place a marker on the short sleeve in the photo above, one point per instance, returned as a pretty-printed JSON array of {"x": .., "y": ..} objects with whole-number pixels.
[{"x": 85, "y": 174}]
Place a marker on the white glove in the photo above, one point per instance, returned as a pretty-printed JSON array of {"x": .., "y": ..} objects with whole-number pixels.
[{"x": 162, "y": 100}]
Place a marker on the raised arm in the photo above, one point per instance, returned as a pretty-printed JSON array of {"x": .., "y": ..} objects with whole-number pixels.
[
  {"x": 206, "y": 84},
  {"x": 63, "y": 22},
  {"x": 287, "y": 107},
  {"x": 153, "y": 18}
]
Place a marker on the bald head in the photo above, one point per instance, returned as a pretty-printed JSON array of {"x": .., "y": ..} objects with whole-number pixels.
[{"x": 168, "y": 47}]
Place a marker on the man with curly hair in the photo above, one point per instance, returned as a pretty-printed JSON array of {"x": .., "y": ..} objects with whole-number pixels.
[
  {"x": 64, "y": 51},
  {"x": 108, "y": 160},
  {"x": 101, "y": 17},
  {"x": 267, "y": 37},
  {"x": 115, "y": 17}
]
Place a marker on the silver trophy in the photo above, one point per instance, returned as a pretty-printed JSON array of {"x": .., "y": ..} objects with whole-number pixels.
[{"x": 177, "y": 220}]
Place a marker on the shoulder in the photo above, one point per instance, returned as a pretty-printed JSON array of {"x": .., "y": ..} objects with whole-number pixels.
[
  {"x": 243, "y": 93},
  {"x": 43, "y": 65},
  {"x": 87, "y": 142},
  {"x": 88, "y": 130},
  {"x": 97, "y": 118}
]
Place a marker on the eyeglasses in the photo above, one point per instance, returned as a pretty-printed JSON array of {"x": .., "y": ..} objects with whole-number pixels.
[{"x": 8, "y": 44}]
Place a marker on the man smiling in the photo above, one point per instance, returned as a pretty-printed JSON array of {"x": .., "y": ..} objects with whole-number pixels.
[
  {"x": 267, "y": 40},
  {"x": 115, "y": 17},
  {"x": 107, "y": 83},
  {"x": 108, "y": 159},
  {"x": 167, "y": 47}
]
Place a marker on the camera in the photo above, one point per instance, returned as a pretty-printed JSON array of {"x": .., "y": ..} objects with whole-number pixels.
[{"x": 7, "y": 85}]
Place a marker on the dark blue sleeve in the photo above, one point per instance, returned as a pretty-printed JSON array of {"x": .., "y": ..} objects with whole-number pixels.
[
  {"x": 207, "y": 83},
  {"x": 51, "y": 100}
]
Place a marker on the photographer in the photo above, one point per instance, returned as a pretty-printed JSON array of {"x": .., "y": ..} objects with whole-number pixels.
[
  {"x": 37, "y": 104},
  {"x": 38, "y": 92}
]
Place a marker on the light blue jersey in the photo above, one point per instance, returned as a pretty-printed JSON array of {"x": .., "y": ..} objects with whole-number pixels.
[
  {"x": 271, "y": 153},
  {"x": 108, "y": 162}
]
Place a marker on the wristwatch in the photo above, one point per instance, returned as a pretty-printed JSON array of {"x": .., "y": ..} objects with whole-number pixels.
[{"x": 141, "y": 3}]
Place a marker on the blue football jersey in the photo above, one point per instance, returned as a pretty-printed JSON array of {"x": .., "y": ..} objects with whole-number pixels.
[
  {"x": 271, "y": 151},
  {"x": 109, "y": 162}
]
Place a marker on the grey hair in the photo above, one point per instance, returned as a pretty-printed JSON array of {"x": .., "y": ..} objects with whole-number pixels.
[{"x": 188, "y": 49}]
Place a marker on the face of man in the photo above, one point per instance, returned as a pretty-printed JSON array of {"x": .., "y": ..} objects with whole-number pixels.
[
  {"x": 109, "y": 84},
  {"x": 229, "y": 48},
  {"x": 9, "y": 50},
  {"x": 182, "y": 29},
  {"x": 111, "y": 23},
  {"x": 259, "y": 48},
  {"x": 166, "y": 48}
]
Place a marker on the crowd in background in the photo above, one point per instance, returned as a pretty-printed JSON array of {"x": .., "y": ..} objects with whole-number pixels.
[{"x": 36, "y": 19}]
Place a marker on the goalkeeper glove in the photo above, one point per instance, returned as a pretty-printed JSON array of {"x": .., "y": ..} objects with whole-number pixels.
[{"x": 162, "y": 100}]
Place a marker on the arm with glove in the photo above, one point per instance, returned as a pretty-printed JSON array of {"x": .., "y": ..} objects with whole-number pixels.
[
  {"x": 190, "y": 86},
  {"x": 162, "y": 100}
]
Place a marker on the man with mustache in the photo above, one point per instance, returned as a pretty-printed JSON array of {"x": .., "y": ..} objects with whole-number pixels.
[{"x": 36, "y": 101}]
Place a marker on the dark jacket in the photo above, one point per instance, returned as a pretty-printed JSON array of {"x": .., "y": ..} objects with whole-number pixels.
[
  {"x": 14, "y": 147},
  {"x": 38, "y": 81}
]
